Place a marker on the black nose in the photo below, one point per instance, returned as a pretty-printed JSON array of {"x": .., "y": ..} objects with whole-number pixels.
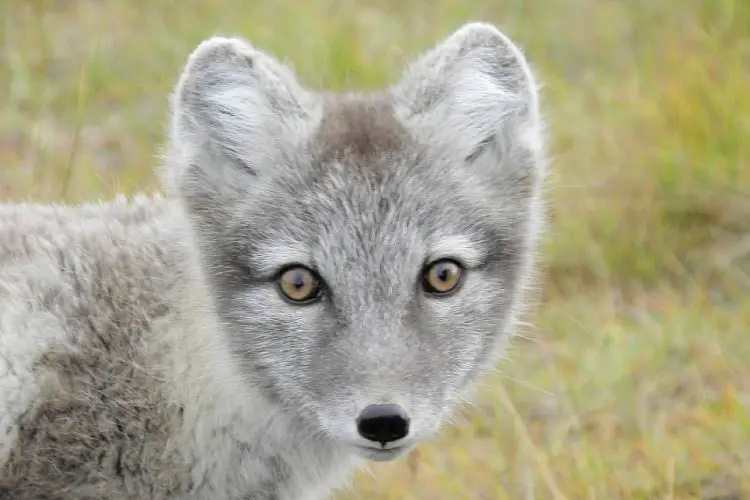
[{"x": 383, "y": 423}]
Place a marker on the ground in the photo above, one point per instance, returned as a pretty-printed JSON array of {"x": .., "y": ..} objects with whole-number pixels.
[{"x": 633, "y": 380}]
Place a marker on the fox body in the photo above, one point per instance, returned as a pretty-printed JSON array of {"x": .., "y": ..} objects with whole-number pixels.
[{"x": 327, "y": 277}]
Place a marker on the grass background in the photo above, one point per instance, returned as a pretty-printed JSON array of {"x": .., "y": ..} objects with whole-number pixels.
[{"x": 635, "y": 382}]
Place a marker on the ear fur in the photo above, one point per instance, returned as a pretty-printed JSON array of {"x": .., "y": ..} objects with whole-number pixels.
[
  {"x": 235, "y": 111},
  {"x": 474, "y": 90}
]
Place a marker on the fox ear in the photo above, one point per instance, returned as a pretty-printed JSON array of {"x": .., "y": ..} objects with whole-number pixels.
[
  {"x": 235, "y": 109},
  {"x": 473, "y": 90}
]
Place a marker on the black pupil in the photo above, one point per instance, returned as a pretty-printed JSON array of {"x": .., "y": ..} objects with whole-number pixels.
[
  {"x": 444, "y": 272},
  {"x": 298, "y": 281}
]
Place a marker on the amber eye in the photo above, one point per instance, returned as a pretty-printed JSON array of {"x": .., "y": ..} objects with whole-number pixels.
[
  {"x": 299, "y": 284},
  {"x": 442, "y": 277}
]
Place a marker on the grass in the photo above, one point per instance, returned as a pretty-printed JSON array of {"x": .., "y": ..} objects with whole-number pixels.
[{"x": 636, "y": 381}]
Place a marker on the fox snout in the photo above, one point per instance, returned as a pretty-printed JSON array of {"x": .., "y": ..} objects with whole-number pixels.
[{"x": 383, "y": 423}]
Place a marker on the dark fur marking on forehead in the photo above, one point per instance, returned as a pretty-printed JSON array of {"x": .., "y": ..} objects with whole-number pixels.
[{"x": 358, "y": 128}]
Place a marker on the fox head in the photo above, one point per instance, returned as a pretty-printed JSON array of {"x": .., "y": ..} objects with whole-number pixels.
[{"x": 366, "y": 253}]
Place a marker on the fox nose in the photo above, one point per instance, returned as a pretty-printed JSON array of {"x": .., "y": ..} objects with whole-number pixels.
[{"x": 383, "y": 423}]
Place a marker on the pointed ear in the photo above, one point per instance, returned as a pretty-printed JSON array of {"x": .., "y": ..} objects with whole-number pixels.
[
  {"x": 475, "y": 92},
  {"x": 235, "y": 111}
]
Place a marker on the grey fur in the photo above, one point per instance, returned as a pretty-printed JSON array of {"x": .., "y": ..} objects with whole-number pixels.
[{"x": 145, "y": 350}]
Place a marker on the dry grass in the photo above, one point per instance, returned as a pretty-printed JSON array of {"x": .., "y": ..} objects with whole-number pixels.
[{"x": 636, "y": 383}]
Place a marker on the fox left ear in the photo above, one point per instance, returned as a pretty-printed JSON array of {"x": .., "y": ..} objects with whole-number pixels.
[
  {"x": 235, "y": 111},
  {"x": 475, "y": 91}
]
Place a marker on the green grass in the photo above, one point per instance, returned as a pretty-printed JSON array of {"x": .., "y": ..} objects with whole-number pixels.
[{"x": 635, "y": 383}]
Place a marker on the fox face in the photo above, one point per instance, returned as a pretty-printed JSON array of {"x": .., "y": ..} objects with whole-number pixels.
[{"x": 367, "y": 253}]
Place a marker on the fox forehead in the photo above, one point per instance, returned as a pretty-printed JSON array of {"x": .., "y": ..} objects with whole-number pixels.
[
  {"x": 358, "y": 127},
  {"x": 366, "y": 188}
]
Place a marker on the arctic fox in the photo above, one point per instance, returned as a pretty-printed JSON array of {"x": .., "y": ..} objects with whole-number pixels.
[{"x": 326, "y": 279}]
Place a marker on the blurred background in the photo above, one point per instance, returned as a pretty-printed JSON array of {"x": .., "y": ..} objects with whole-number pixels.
[{"x": 634, "y": 381}]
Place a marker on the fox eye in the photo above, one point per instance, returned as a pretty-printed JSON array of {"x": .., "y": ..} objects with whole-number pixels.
[
  {"x": 299, "y": 285},
  {"x": 442, "y": 277}
]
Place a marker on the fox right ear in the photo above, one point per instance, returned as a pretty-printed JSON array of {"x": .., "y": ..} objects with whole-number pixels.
[
  {"x": 234, "y": 110},
  {"x": 475, "y": 90}
]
